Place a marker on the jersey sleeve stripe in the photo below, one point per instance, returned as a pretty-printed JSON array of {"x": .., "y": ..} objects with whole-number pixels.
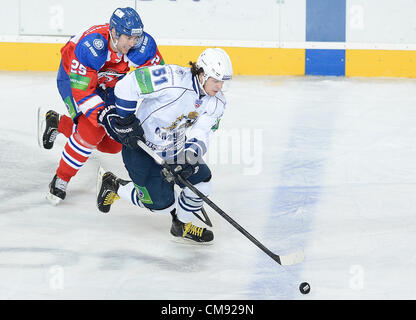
[
  {"x": 81, "y": 101},
  {"x": 124, "y": 113},
  {"x": 90, "y": 111},
  {"x": 92, "y": 102},
  {"x": 126, "y": 104}
]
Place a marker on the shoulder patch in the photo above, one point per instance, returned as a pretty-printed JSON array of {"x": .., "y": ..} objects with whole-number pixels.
[
  {"x": 91, "y": 51},
  {"x": 98, "y": 44},
  {"x": 144, "y": 80}
]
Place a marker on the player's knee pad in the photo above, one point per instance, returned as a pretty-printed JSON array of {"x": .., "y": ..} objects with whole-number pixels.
[
  {"x": 109, "y": 145},
  {"x": 88, "y": 132}
]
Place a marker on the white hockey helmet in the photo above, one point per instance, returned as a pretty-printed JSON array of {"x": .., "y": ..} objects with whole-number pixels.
[{"x": 216, "y": 64}]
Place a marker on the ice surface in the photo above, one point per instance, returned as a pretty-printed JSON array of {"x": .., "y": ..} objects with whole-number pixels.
[{"x": 323, "y": 165}]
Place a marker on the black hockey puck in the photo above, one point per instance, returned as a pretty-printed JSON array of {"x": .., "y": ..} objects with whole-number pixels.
[{"x": 304, "y": 288}]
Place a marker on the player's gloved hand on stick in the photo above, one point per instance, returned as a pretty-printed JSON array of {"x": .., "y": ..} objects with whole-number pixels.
[{"x": 186, "y": 165}]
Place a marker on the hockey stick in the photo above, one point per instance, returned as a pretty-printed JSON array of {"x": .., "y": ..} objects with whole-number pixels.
[
  {"x": 206, "y": 219},
  {"x": 289, "y": 259}
]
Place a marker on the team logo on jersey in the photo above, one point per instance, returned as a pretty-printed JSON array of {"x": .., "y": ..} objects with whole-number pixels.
[
  {"x": 193, "y": 115},
  {"x": 183, "y": 121},
  {"x": 198, "y": 103},
  {"x": 98, "y": 44},
  {"x": 191, "y": 118},
  {"x": 175, "y": 123},
  {"x": 109, "y": 78}
]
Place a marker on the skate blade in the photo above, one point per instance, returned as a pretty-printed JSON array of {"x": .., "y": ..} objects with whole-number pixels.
[
  {"x": 41, "y": 125},
  {"x": 53, "y": 200},
  {"x": 186, "y": 241},
  {"x": 100, "y": 174}
]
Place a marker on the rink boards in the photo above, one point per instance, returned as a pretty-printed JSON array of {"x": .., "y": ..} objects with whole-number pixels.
[
  {"x": 21, "y": 56},
  {"x": 269, "y": 37}
]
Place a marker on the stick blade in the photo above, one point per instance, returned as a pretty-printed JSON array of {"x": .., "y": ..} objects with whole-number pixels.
[{"x": 292, "y": 258}]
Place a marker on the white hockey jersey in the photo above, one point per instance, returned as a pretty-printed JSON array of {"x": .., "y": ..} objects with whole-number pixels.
[{"x": 172, "y": 110}]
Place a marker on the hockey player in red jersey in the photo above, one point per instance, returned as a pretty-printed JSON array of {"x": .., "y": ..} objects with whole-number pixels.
[{"x": 92, "y": 63}]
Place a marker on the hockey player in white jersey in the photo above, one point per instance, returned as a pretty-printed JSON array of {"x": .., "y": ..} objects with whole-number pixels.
[{"x": 180, "y": 110}]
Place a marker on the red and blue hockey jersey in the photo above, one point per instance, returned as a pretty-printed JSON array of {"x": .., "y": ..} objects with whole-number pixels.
[{"x": 90, "y": 62}]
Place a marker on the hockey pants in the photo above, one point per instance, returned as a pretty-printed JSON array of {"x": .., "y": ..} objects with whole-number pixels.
[{"x": 149, "y": 189}]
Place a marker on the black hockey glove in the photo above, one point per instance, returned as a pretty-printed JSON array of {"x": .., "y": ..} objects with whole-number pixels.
[
  {"x": 105, "y": 118},
  {"x": 186, "y": 164},
  {"x": 124, "y": 130},
  {"x": 129, "y": 131}
]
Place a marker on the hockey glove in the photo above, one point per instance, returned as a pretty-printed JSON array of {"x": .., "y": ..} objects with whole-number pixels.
[
  {"x": 129, "y": 131},
  {"x": 186, "y": 164},
  {"x": 123, "y": 130},
  {"x": 106, "y": 117}
]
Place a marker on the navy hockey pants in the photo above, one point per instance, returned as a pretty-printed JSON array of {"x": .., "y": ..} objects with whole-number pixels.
[{"x": 154, "y": 191}]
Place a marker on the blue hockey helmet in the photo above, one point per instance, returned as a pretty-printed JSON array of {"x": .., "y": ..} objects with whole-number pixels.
[{"x": 126, "y": 21}]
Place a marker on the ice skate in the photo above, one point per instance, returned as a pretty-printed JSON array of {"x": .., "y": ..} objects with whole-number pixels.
[
  {"x": 187, "y": 232},
  {"x": 57, "y": 190},
  {"x": 47, "y": 128},
  {"x": 107, "y": 187}
]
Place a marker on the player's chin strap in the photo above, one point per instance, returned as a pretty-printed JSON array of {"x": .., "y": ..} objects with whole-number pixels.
[
  {"x": 288, "y": 259},
  {"x": 112, "y": 41},
  {"x": 201, "y": 85}
]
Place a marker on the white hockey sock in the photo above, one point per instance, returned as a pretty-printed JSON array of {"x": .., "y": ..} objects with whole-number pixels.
[
  {"x": 189, "y": 202},
  {"x": 128, "y": 192}
]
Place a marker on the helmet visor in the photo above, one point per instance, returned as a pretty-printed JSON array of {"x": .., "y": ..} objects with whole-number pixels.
[
  {"x": 226, "y": 86},
  {"x": 226, "y": 81},
  {"x": 137, "y": 40}
]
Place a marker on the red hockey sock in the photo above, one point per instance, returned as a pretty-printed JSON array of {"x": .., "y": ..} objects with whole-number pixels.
[
  {"x": 65, "y": 125},
  {"x": 74, "y": 155}
]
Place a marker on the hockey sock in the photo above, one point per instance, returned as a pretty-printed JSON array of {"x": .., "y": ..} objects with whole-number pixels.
[
  {"x": 74, "y": 155},
  {"x": 129, "y": 193},
  {"x": 65, "y": 125},
  {"x": 189, "y": 202}
]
